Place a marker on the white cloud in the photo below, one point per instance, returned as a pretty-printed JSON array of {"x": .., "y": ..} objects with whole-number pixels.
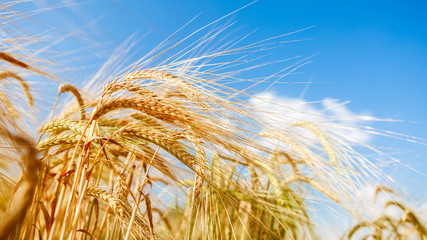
[{"x": 329, "y": 114}]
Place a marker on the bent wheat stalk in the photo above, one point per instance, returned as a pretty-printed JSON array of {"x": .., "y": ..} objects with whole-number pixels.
[
  {"x": 23, "y": 197},
  {"x": 23, "y": 83}
]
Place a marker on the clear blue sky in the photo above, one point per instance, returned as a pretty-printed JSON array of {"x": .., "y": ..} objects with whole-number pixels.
[{"x": 373, "y": 53}]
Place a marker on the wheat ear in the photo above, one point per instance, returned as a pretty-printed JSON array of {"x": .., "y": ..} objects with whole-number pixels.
[
  {"x": 315, "y": 184},
  {"x": 65, "y": 139},
  {"x": 322, "y": 138},
  {"x": 122, "y": 209},
  {"x": 171, "y": 79},
  {"x": 63, "y": 124},
  {"x": 200, "y": 170},
  {"x": 151, "y": 106},
  {"x": 12, "y": 111}
]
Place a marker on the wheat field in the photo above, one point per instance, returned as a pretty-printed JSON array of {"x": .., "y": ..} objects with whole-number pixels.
[{"x": 167, "y": 150}]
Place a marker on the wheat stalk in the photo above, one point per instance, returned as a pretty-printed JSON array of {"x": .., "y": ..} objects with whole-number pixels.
[{"x": 166, "y": 141}]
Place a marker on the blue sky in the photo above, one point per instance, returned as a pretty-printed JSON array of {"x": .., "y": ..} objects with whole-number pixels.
[{"x": 373, "y": 53}]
